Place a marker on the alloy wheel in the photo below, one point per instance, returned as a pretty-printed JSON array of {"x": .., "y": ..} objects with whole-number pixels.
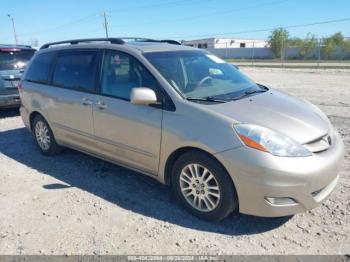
[
  {"x": 42, "y": 135},
  {"x": 199, "y": 187}
]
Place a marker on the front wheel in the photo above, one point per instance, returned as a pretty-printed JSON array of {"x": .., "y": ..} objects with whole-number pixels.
[
  {"x": 203, "y": 186},
  {"x": 44, "y": 137}
]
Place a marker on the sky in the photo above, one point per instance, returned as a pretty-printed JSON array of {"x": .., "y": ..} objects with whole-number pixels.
[{"x": 47, "y": 21}]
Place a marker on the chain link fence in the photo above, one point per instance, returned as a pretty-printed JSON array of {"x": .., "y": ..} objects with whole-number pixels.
[{"x": 311, "y": 52}]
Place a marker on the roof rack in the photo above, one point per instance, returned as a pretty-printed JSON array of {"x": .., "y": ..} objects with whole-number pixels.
[
  {"x": 141, "y": 39},
  {"x": 118, "y": 41},
  {"x": 87, "y": 40},
  {"x": 169, "y": 41}
]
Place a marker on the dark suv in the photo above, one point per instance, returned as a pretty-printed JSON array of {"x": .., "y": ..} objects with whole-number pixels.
[{"x": 13, "y": 59}]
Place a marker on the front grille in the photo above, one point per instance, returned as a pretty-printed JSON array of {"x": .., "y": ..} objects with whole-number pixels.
[{"x": 320, "y": 144}]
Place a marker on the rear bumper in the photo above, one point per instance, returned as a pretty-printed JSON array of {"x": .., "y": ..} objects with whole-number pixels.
[
  {"x": 10, "y": 101},
  {"x": 25, "y": 116},
  {"x": 304, "y": 181}
]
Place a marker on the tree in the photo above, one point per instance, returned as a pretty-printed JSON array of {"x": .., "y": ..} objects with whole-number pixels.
[
  {"x": 295, "y": 42},
  {"x": 331, "y": 43},
  {"x": 328, "y": 47},
  {"x": 338, "y": 39},
  {"x": 307, "y": 45},
  {"x": 347, "y": 49},
  {"x": 278, "y": 41}
]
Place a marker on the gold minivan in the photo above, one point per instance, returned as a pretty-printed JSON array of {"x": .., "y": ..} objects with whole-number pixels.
[{"x": 186, "y": 118}]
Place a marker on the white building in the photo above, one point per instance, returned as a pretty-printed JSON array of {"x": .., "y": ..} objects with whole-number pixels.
[{"x": 226, "y": 43}]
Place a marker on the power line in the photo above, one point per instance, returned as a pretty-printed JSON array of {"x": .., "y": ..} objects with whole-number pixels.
[
  {"x": 269, "y": 29},
  {"x": 64, "y": 26},
  {"x": 184, "y": 19},
  {"x": 150, "y": 6},
  {"x": 172, "y": 3},
  {"x": 207, "y": 15}
]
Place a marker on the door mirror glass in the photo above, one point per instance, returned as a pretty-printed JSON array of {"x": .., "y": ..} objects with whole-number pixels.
[{"x": 143, "y": 96}]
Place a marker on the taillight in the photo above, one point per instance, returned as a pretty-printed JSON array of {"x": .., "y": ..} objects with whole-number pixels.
[
  {"x": 10, "y": 50},
  {"x": 20, "y": 86}
]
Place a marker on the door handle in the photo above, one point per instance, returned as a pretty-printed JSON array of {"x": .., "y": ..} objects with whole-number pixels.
[
  {"x": 101, "y": 105},
  {"x": 87, "y": 101}
]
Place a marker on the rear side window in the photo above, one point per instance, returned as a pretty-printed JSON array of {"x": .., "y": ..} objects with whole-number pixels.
[
  {"x": 75, "y": 70},
  {"x": 39, "y": 69}
]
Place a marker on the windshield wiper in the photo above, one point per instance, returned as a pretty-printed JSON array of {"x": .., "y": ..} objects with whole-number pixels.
[
  {"x": 206, "y": 99},
  {"x": 247, "y": 93}
]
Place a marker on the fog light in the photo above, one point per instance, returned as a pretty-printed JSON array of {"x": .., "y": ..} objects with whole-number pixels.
[{"x": 281, "y": 201}]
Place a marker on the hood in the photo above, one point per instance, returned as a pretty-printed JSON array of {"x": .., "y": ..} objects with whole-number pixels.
[{"x": 279, "y": 112}]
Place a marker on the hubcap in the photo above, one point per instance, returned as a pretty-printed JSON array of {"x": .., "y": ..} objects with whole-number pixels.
[
  {"x": 42, "y": 135},
  {"x": 199, "y": 187}
]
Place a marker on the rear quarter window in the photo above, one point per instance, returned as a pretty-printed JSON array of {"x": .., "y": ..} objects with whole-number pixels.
[
  {"x": 38, "y": 71},
  {"x": 75, "y": 70}
]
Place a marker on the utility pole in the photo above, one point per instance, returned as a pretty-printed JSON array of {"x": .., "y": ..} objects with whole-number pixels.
[
  {"x": 14, "y": 28},
  {"x": 319, "y": 52},
  {"x": 105, "y": 23},
  {"x": 282, "y": 51},
  {"x": 253, "y": 52}
]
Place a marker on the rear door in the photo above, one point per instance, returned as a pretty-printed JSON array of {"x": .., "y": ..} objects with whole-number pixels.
[
  {"x": 69, "y": 98},
  {"x": 126, "y": 132}
]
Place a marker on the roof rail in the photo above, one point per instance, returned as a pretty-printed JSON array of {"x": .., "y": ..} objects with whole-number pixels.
[
  {"x": 141, "y": 39},
  {"x": 169, "y": 41},
  {"x": 77, "y": 41}
]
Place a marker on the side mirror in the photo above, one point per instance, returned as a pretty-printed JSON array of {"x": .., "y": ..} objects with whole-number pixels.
[{"x": 143, "y": 96}]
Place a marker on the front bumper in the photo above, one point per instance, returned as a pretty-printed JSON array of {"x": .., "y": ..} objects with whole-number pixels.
[
  {"x": 12, "y": 100},
  {"x": 258, "y": 176}
]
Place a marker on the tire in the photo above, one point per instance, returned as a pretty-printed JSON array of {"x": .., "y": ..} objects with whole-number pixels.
[
  {"x": 219, "y": 188},
  {"x": 44, "y": 137}
]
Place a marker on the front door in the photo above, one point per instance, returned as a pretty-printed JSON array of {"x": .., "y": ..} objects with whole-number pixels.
[{"x": 127, "y": 133}]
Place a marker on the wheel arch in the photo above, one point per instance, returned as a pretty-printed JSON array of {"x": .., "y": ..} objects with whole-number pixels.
[
  {"x": 32, "y": 115},
  {"x": 177, "y": 153},
  {"x": 31, "y": 118}
]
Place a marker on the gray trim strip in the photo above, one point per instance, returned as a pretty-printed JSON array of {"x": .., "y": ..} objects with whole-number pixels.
[
  {"x": 103, "y": 140},
  {"x": 122, "y": 163}
]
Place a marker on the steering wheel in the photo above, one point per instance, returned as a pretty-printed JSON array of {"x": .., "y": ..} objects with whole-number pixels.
[{"x": 204, "y": 79}]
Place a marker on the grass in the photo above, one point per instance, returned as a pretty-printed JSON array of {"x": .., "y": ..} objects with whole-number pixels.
[
  {"x": 278, "y": 61},
  {"x": 296, "y": 66}
]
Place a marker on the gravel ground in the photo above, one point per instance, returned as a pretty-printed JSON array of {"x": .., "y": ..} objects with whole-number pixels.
[{"x": 77, "y": 204}]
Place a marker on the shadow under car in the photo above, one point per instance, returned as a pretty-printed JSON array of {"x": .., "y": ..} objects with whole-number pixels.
[{"x": 122, "y": 187}]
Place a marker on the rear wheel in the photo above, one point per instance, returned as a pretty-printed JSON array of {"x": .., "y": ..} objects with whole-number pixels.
[
  {"x": 203, "y": 186},
  {"x": 44, "y": 137}
]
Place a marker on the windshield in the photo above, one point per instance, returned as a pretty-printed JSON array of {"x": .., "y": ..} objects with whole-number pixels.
[
  {"x": 197, "y": 74},
  {"x": 10, "y": 60}
]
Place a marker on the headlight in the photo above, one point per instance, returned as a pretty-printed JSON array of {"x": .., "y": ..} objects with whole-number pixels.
[{"x": 266, "y": 140}]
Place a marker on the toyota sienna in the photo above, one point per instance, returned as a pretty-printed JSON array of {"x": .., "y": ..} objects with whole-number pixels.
[{"x": 186, "y": 118}]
